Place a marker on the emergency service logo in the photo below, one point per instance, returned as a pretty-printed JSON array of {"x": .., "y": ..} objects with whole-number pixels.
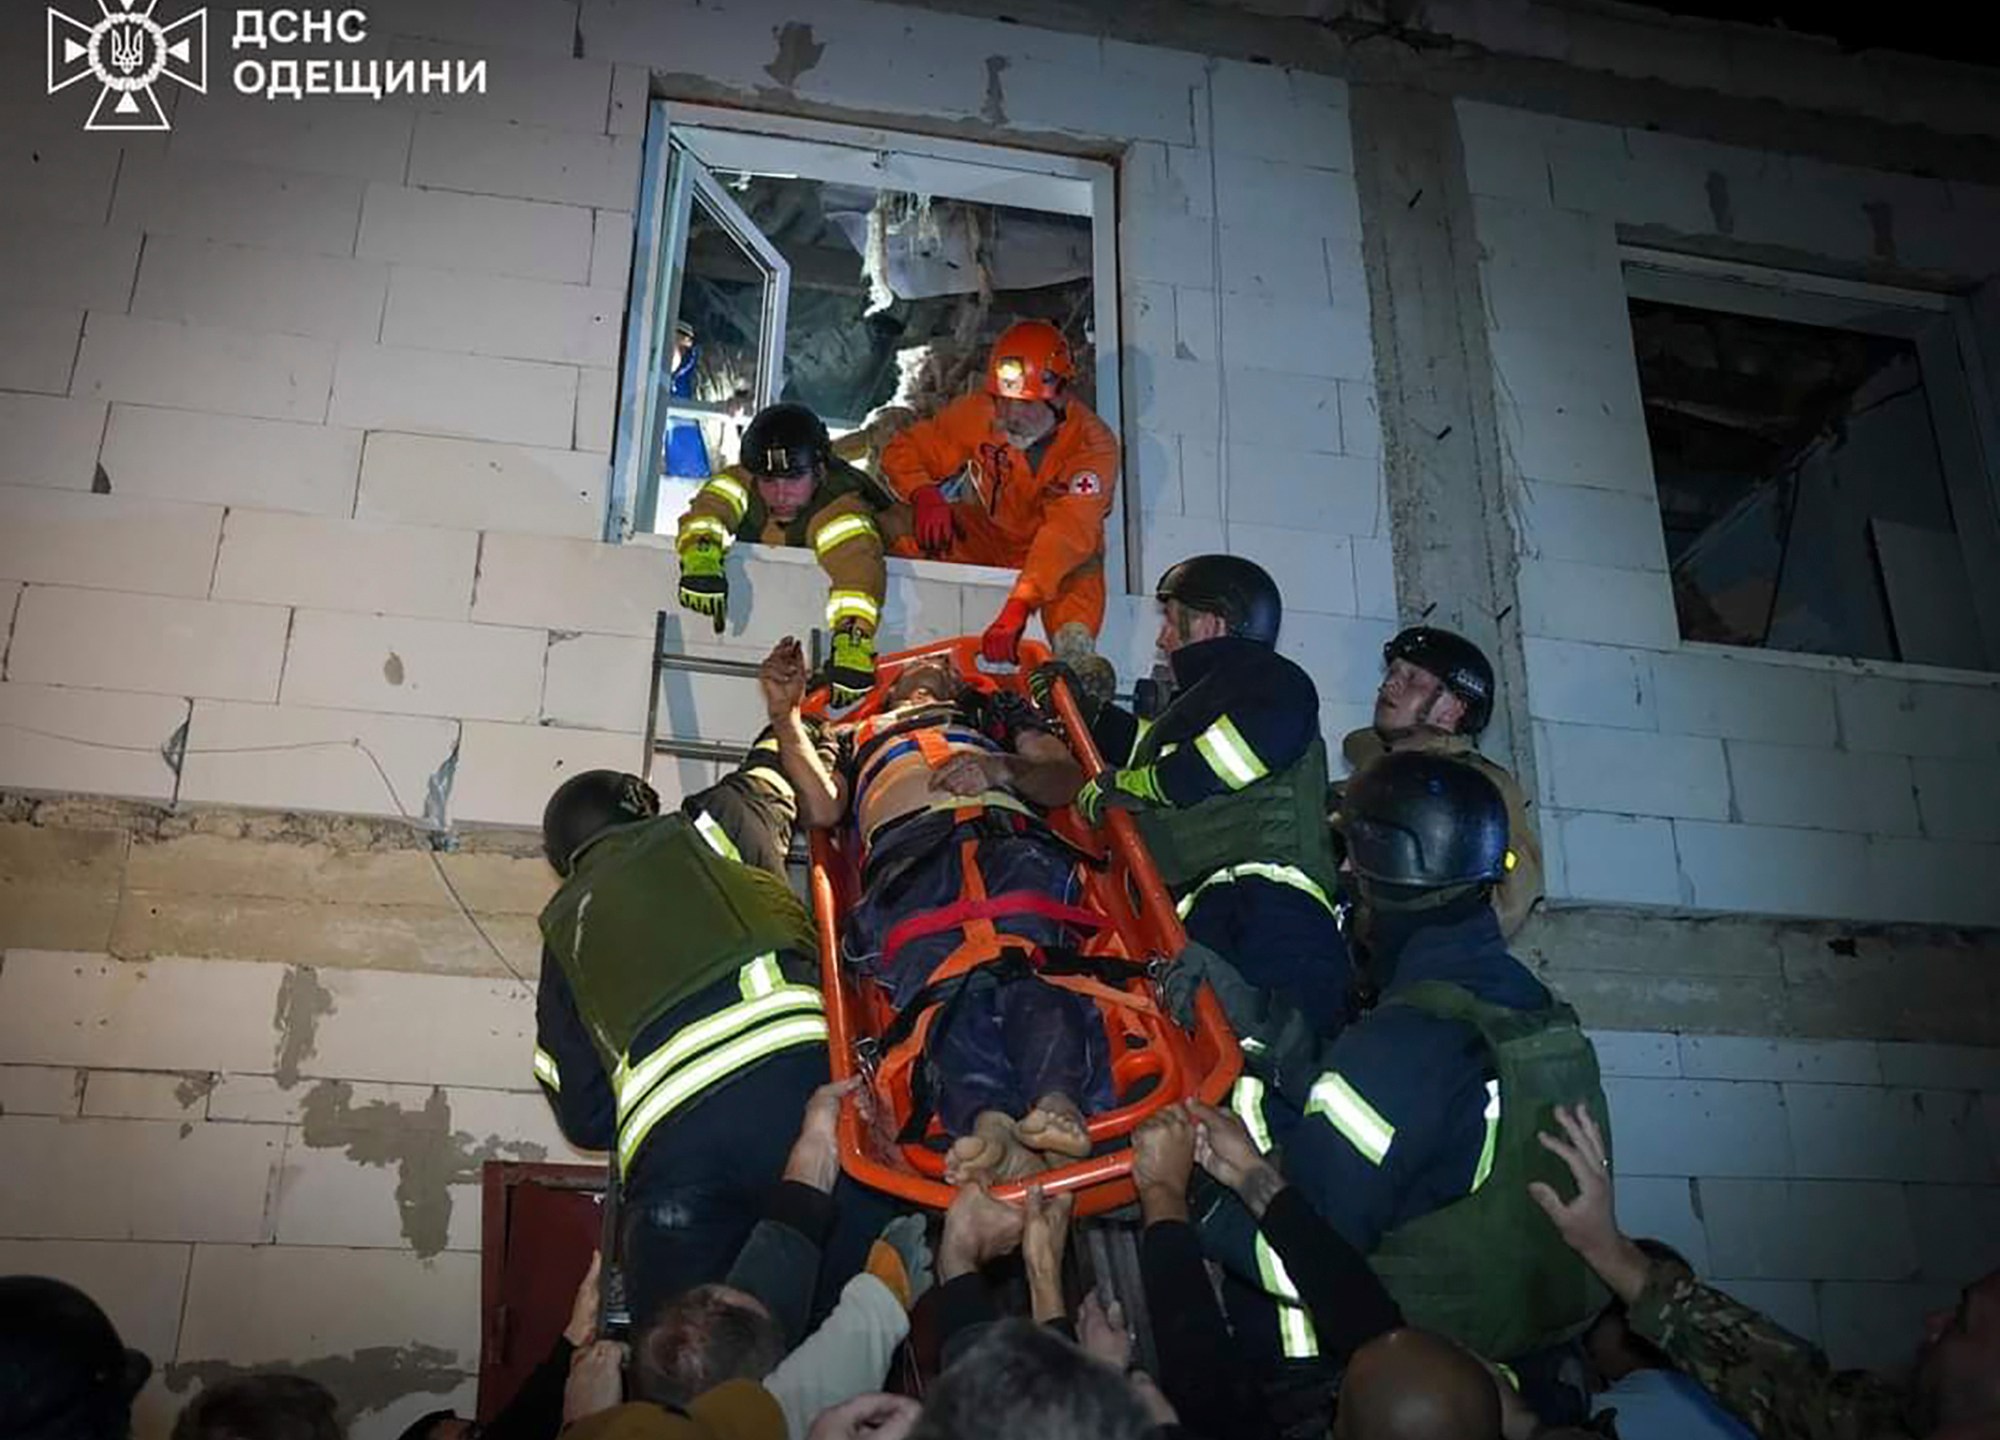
[{"x": 128, "y": 52}]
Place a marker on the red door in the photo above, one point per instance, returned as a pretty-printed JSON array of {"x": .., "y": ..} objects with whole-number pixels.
[{"x": 540, "y": 1224}]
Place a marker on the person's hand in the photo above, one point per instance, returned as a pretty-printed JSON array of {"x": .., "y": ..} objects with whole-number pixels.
[
  {"x": 1223, "y": 1147},
  {"x": 582, "y": 1327},
  {"x": 704, "y": 586},
  {"x": 1042, "y": 683},
  {"x": 1129, "y": 789},
  {"x": 815, "y": 1157},
  {"x": 1589, "y": 1222},
  {"x": 970, "y": 772},
  {"x": 977, "y": 1229},
  {"x": 931, "y": 522},
  {"x": 596, "y": 1380},
  {"x": 782, "y": 678},
  {"x": 1162, "y": 1161},
  {"x": 1044, "y": 1235},
  {"x": 1159, "y": 1409},
  {"x": 1100, "y": 1329},
  {"x": 867, "y": 1417},
  {"x": 1001, "y": 644}
]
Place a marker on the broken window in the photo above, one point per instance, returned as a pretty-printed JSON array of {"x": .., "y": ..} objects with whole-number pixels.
[
  {"x": 819, "y": 267},
  {"x": 1820, "y": 477}
]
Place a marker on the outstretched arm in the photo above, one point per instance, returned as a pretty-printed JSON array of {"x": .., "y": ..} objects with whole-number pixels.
[{"x": 822, "y": 794}]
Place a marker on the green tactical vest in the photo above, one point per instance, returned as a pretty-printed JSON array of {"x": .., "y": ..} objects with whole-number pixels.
[
  {"x": 1280, "y": 819},
  {"x": 1489, "y": 1270},
  {"x": 842, "y": 479},
  {"x": 651, "y": 916}
]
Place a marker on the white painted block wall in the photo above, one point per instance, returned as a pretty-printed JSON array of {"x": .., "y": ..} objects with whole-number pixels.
[{"x": 1691, "y": 775}]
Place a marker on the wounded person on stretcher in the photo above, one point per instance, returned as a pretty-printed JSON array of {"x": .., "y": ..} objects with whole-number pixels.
[{"x": 958, "y": 872}]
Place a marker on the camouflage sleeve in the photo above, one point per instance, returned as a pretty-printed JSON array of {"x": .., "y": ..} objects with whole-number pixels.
[{"x": 1776, "y": 1383}]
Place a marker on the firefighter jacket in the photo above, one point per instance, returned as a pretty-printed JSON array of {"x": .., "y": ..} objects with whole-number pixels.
[
  {"x": 1237, "y": 768},
  {"x": 1418, "y": 1137},
  {"x": 1044, "y": 515},
  {"x": 838, "y": 523},
  {"x": 668, "y": 968},
  {"x": 1516, "y": 895}
]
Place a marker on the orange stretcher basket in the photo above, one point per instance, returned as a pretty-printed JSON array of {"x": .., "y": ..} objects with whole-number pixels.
[{"x": 1154, "y": 1061}]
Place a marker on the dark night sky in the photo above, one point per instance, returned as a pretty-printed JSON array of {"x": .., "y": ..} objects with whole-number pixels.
[{"x": 1947, "y": 31}]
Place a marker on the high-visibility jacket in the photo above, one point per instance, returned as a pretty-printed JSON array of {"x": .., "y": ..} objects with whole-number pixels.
[
  {"x": 1514, "y": 896},
  {"x": 1238, "y": 769},
  {"x": 669, "y": 967},
  {"x": 1044, "y": 516},
  {"x": 838, "y": 524}
]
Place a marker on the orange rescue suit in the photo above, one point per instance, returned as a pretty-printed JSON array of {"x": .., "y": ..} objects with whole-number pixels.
[{"x": 1047, "y": 521}]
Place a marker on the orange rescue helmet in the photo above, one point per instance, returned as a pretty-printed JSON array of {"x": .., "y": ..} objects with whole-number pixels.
[{"x": 1030, "y": 361}]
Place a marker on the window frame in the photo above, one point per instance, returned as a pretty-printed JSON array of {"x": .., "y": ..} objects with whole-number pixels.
[{"x": 1941, "y": 327}]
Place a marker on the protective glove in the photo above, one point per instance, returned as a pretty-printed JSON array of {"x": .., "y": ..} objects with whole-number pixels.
[
  {"x": 932, "y": 525},
  {"x": 704, "y": 588},
  {"x": 1128, "y": 789},
  {"x": 852, "y": 668},
  {"x": 1001, "y": 645},
  {"x": 1041, "y": 682},
  {"x": 1196, "y": 965}
]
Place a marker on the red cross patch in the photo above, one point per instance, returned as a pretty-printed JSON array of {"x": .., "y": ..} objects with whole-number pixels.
[{"x": 1086, "y": 483}]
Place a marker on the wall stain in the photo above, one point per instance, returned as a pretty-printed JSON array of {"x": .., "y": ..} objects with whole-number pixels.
[
  {"x": 368, "y": 1380},
  {"x": 392, "y": 668},
  {"x": 797, "y": 53},
  {"x": 302, "y": 1003},
  {"x": 994, "y": 111},
  {"x": 194, "y": 1088},
  {"x": 1721, "y": 208},
  {"x": 429, "y": 1156},
  {"x": 1882, "y": 223}
]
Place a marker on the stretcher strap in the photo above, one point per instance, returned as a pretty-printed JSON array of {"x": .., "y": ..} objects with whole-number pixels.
[{"x": 997, "y": 907}]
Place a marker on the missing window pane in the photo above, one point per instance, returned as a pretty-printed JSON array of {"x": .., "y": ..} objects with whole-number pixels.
[{"x": 1802, "y": 488}]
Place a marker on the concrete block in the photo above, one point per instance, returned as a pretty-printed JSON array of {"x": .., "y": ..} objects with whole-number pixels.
[
  {"x": 337, "y": 564},
  {"x": 176, "y": 1015},
  {"x": 631, "y": 95},
  {"x": 1597, "y": 527},
  {"x": 238, "y": 862},
  {"x": 139, "y": 1285},
  {"x": 259, "y": 1099},
  {"x": 137, "y": 1179},
  {"x": 433, "y": 480},
  {"x": 1594, "y": 451},
  {"x": 1258, "y": 113},
  {"x": 507, "y": 772},
  {"x": 1360, "y": 420},
  {"x": 284, "y": 1304},
  {"x": 1161, "y": 179},
  {"x": 197, "y": 367},
  {"x": 377, "y": 387},
  {"x": 1295, "y": 337},
  {"x": 1672, "y": 198},
  {"x": 1562, "y": 600},
  {"x": 54, "y": 735},
  {"x": 283, "y": 209},
  {"x": 49, "y": 441},
  {"x": 326, "y": 1197},
  {"x": 1560, "y": 377},
  {"x": 288, "y": 757},
  {"x": 1315, "y": 200},
  {"x": 1662, "y": 1208},
  {"x": 1808, "y": 1230},
  {"x": 1956, "y": 1239},
  {"x": 1088, "y": 100},
  {"x": 525, "y": 162},
  {"x": 1698, "y": 1127},
  {"x": 1590, "y": 684},
  {"x": 1853, "y": 1132},
  {"x": 1873, "y": 1326},
  {"x": 1173, "y": 249},
  {"x": 360, "y": 142},
  {"x": 1736, "y": 695},
  {"x": 38, "y": 347},
  {"x": 1618, "y": 859},
  {"x": 243, "y": 287},
  {"x": 113, "y": 542},
  {"x": 68, "y": 184},
  {"x": 572, "y": 584},
  {"x": 110, "y": 640},
  {"x": 1764, "y": 870},
  {"x": 60, "y": 886},
  {"x": 1747, "y": 1057},
  {"x": 1919, "y": 717},
  {"x": 916, "y": 610},
  {"x": 1285, "y": 411},
  {"x": 515, "y": 1124},
  {"x": 145, "y": 1095},
  {"x": 418, "y": 1029},
  {"x": 1503, "y": 151},
  {"x": 611, "y": 240},
  {"x": 596, "y": 416},
  {"x": 1268, "y": 263},
  {"x": 1959, "y": 799},
  {"x": 86, "y": 267},
  {"x": 1940, "y": 882},
  {"x": 1941, "y": 1067},
  {"x": 1636, "y": 772},
  {"x": 503, "y": 316},
  {"x": 555, "y": 91},
  {"x": 1149, "y": 325},
  {"x": 1183, "y": 397},
  {"x": 1315, "y": 570},
  {"x": 1793, "y": 1304},
  {"x": 1822, "y": 789},
  {"x": 40, "y": 1090},
  {"x": 482, "y": 233},
  {"x": 1374, "y": 578},
  {"x": 231, "y": 460},
  {"x": 1329, "y": 494},
  {"x": 597, "y": 682},
  {"x": 1644, "y": 1054},
  {"x": 413, "y": 667}
]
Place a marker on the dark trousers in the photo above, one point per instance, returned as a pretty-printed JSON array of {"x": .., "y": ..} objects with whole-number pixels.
[{"x": 1282, "y": 940}]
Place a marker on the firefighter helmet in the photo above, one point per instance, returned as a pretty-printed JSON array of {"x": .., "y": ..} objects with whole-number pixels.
[{"x": 785, "y": 440}]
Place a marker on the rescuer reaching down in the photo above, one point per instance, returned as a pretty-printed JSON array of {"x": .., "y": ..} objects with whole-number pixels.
[{"x": 962, "y": 888}]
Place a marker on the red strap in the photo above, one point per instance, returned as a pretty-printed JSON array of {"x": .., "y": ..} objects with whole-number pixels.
[{"x": 1013, "y": 902}]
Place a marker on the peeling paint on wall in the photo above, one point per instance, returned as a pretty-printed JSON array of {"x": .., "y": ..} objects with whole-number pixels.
[
  {"x": 1882, "y": 225},
  {"x": 365, "y": 1381},
  {"x": 797, "y": 53},
  {"x": 194, "y": 1088},
  {"x": 995, "y": 108},
  {"x": 302, "y": 1003}
]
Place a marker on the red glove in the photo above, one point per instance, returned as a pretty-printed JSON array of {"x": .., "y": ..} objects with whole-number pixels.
[
  {"x": 1001, "y": 645},
  {"x": 933, "y": 520}
]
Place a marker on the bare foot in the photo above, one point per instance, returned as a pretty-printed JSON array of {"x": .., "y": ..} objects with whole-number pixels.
[
  {"x": 991, "y": 1152},
  {"x": 1055, "y": 1126}
]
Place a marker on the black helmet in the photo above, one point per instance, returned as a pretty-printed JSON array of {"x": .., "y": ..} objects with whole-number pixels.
[
  {"x": 64, "y": 1373},
  {"x": 785, "y": 440},
  {"x": 1241, "y": 591},
  {"x": 1460, "y": 664},
  {"x": 588, "y": 804},
  {"x": 1419, "y": 821}
]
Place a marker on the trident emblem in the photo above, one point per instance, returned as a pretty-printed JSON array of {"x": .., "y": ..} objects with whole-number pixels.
[{"x": 128, "y": 52}]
